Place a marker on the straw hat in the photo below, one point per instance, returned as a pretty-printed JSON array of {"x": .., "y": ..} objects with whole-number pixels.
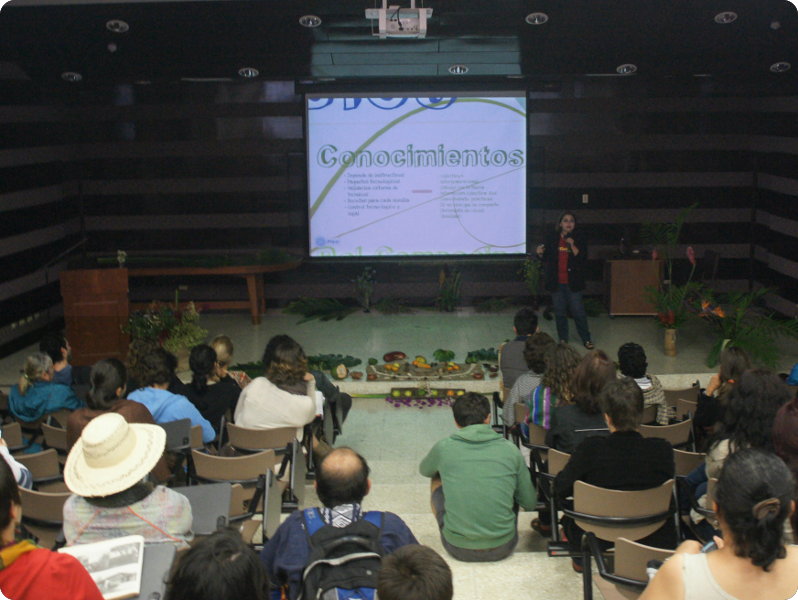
[{"x": 112, "y": 455}]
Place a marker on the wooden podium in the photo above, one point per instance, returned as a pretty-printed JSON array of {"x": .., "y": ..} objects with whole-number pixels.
[
  {"x": 627, "y": 281},
  {"x": 95, "y": 309}
]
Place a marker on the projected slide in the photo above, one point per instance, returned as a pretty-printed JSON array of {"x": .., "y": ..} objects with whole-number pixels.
[{"x": 417, "y": 176}]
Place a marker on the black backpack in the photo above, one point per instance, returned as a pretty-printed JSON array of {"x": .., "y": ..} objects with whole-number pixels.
[{"x": 344, "y": 561}]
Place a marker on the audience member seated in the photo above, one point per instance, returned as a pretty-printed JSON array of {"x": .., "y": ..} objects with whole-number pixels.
[
  {"x": 512, "y": 362},
  {"x": 107, "y": 394},
  {"x": 712, "y": 401},
  {"x": 572, "y": 423},
  {"x": 338, "y": 403},
  {"x": 415, "y": 573},
  {"x": 478, "y": 478},
  {"x": 212, "y": 395},
  {"x": 218, "y": 567},
  {"x": 555, "y": 387},
  {"x": 29, "y": 572},
  {"x": 137, "y": 351},
  {"x": 22, "y": 474},
  {"x": 342, "y": 481},
  {"x": 157, "y": 372},
  {"x": 748, "y": 422},
  {"x": 535, "y": 348},
  {"x": 753, "y": 499},
  {"x": 785, "y": 443},
  {"x": 223, "y": 346},
  {"x": 623, "y": 460},
  {"x": 57, "y": 347},
  {"x": 286, "y": 396},
  {"x": 632, "y": 362},
  {"x": 105, "y": 472},
  {"x": 36, "y": 395}
]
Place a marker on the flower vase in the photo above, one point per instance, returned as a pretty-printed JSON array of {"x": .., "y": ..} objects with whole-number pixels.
[{"x": 670, "y": 342}]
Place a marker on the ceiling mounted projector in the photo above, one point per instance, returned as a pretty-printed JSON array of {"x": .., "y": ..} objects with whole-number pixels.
[{"x": 400, "y": 22}]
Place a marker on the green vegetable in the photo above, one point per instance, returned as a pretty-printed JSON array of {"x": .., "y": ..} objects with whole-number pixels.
[
  {"x": 443, "y": 355},
  {"x": 373, "y": 361}
]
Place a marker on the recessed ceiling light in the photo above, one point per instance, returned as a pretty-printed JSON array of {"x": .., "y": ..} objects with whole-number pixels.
[
  {"x": 458, "y": 69},
  {"x": 310, "y": 21},
  {"x": 71, "y": 76},
  {"x": 780, "y": 67},
  {"x": 626, "y": 69},
  {"x": 117, "y": 26},
  {"x": 775, "y": 25},
  {"x": 725, "y": 17},
  {"x": 248, "y": 72},
  {"x": 536, "y": 18}
]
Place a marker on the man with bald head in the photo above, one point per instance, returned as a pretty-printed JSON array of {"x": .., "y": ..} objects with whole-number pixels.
[{"x": 342, "y": 481}]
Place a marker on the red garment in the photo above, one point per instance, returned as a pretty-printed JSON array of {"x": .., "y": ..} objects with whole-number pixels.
[
  {"x": 562, "y": 261},
  {"x": 42, "y": 574}
]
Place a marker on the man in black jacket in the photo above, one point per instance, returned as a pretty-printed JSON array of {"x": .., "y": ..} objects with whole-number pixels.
[{"x": 623, "y": 460}]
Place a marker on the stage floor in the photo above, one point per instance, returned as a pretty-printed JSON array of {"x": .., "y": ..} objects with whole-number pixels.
[{"x": 366, "y": 335}]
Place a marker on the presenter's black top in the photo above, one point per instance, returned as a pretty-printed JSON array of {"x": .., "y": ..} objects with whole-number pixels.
[{"x": 576, "y": 263}]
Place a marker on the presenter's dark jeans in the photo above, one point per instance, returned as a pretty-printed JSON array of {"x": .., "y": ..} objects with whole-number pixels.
[{"x": 564, "y": 300}]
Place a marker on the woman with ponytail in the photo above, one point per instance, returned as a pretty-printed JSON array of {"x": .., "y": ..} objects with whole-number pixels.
[
  {"x": 107, "y": 394},
  {"x": 753, "y": 499},
  {"x": 36, "y": 395},
  {"x": 212, "y": 394}
]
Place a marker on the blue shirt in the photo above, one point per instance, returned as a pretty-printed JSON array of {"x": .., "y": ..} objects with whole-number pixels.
[
  {"x": 166, "y": 407},
  {"x": 42, "y": 398}
]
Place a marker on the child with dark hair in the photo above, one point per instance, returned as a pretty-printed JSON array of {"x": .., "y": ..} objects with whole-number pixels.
[
  {"x": 156, "y": 372},
  {"x": 753, "y": 499},
  {"x": 219, "y": 567},
  {"x": 632, "y": 362},
  {"x": 209, "y": 392},
  {"x": 623, "y": 460},
  {"x": 415, "y": 573},
  {"x": 29, "y": 572},
  {"x": 712, "y": 401},
  {"x": 478, "y": 479},
  {"x": 512, "y": 363},
  {"x": 535, "y": 348}
]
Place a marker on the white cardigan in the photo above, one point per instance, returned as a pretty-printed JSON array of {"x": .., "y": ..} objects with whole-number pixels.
[{"x": 262, "y": 405}]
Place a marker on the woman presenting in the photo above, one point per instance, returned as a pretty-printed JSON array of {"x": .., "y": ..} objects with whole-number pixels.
[{"x": 564, "y": 255}]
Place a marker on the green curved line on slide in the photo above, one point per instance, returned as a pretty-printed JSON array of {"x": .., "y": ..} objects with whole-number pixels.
[{"x": 379, "y": 132}]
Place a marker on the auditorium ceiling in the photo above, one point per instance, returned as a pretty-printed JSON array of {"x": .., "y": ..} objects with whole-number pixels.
[{"x": 117, "y": 41}]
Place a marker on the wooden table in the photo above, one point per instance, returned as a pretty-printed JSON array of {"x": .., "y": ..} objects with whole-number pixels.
[
  {"x": 627, "y": 281},
  {"x": 253, "y": 274}
]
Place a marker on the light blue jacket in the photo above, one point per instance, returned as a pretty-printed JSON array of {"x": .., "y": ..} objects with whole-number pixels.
[
  {"x": 42, "y": 398},
  {"x": 166, "y": 407}
]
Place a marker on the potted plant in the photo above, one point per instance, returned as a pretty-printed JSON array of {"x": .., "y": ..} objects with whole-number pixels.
[
  {"x": 174, "y": 328},
  {"x": 743, "y": 321}
]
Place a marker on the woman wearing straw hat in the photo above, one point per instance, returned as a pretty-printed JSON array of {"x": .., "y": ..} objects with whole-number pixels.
[
  {"x": 105, "y": 471},
  {"x": 28, "y": 572}
]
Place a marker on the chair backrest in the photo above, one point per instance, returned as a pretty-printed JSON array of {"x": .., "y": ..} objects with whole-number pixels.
[
  {"x": 519, "y": 412},
  {"x": 631, "y": 558},
  {"x": 43, "y": 514},
  {"x": 557, "y": 461},
  {"x": 685, "y": 409},
  {"x": 612, "y": 507},
  {"x": 12, "y": 434},
  {"x": 690, "y": 393},
  {"x": 254, "y": 440},
  {"x": 649, "y": 414},
  {"x": 196, "y": 437},
  {"x": 42, "y": 465},
  {"x": 677, "y": 434},
  {"x": 58, "y": 418},
  {"x": 537, "y": 435},
  {"x": 686, "y": 462},
  {"x": 178, "y": 434},
  {"x": 210, "y": 505},
  {"x": 235, "y": 469},
  {"x": 155, "y": 568},
  {"x": 55, "y": 437}
]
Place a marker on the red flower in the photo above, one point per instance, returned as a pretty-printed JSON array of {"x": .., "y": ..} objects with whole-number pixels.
[{"x": 691, "y": 255}]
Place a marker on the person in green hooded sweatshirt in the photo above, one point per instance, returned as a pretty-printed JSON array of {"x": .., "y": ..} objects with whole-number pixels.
[{"x": 478, "y": 480}]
